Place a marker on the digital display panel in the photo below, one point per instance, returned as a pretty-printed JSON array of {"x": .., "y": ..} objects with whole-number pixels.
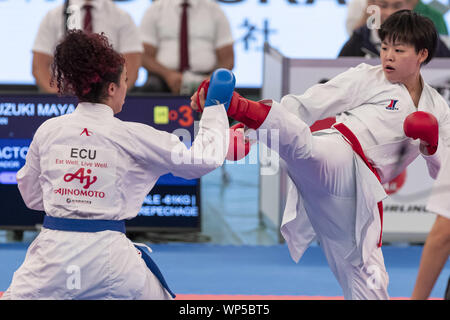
[{"x": 173, "y": 203}]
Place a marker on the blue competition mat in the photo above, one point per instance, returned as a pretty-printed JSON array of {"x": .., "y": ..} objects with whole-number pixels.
[{"x": 253, "y": 270}]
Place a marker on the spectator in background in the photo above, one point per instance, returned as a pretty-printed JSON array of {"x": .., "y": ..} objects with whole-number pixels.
[
  {"x": 179, "y": 64},
  {"x": 365, "y": 42},
  {"x": 433, "y": 14},
  {"x": 357, "y": 14},
  {"x": 92, "y": 16}
]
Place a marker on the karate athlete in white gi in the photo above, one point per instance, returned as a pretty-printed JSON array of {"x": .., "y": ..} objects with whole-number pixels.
[
  {"x": 82, "y": 251},
  {"x": 334, "y": 196}
]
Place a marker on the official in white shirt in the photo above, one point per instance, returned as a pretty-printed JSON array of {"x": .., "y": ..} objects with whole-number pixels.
[
  {"x": 356, "y": 14},
  {"x": 105, "y": 17},
  {"x": 210, "y": 41},
  {"x": 90, "y": 171}
]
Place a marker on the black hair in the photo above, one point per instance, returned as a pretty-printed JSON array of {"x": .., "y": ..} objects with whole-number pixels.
[{"x": 411, "y": 28}]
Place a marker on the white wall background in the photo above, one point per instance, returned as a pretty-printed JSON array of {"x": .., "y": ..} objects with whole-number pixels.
[{"x": 299, "y": 30}]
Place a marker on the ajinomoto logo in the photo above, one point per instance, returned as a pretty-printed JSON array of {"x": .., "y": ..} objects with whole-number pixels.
[{"x": 81, "y": 177}]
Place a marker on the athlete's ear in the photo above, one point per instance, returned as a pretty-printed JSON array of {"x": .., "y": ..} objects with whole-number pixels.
[
  {"x": 423, "y": 55},
  {"x": 111, "y": 89}
]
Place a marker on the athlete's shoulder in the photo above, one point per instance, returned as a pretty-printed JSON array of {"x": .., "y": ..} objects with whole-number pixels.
[
  {"x": 137, "y": 129},
  {"x": 52, "y": 122},
  {"x": 364, "y": 72}
]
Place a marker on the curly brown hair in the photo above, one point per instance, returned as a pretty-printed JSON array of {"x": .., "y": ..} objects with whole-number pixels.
[{"x": 85, "y": 64}]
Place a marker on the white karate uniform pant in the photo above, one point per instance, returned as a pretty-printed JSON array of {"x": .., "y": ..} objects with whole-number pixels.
[
  {"x": 322, "y": 166},
  {"x": 153, "y": 290},
  {"x": 84, "y": 265}
]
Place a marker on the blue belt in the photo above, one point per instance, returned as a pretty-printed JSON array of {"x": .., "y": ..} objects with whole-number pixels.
[
  {"x": 83, "y": 225},
  {"x": 88, "y": 225}
]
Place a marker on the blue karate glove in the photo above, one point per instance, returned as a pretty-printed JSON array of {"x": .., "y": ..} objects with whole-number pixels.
[{"x": 221, "y": 87}]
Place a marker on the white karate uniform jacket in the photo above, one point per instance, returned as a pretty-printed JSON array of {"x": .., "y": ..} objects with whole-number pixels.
[
  {"x": 374, "y": 110},
  {"x": 120, "y": 163}
]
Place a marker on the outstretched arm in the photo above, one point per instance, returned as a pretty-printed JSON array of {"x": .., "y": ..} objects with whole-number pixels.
[
  {"x": 344, "y": 92},
  {"x": 166, "y": 153},
  {"x": 280, "y": 131}
]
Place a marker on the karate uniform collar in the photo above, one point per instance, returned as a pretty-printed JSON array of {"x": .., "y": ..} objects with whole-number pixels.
[
  {"x": 96, "y": 4},
  {"x": 192, "y": 3},
  {"x": 423, "y": 94},
  {"x": 96, "y": 109}
]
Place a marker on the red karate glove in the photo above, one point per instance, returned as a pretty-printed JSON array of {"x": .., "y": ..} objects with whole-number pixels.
[
  {"x": 204, "y": 85},
  {"x": 239, "y": 145},
  {"x": 424, "y": 126},
  {"x": 250, "y": 113}
]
